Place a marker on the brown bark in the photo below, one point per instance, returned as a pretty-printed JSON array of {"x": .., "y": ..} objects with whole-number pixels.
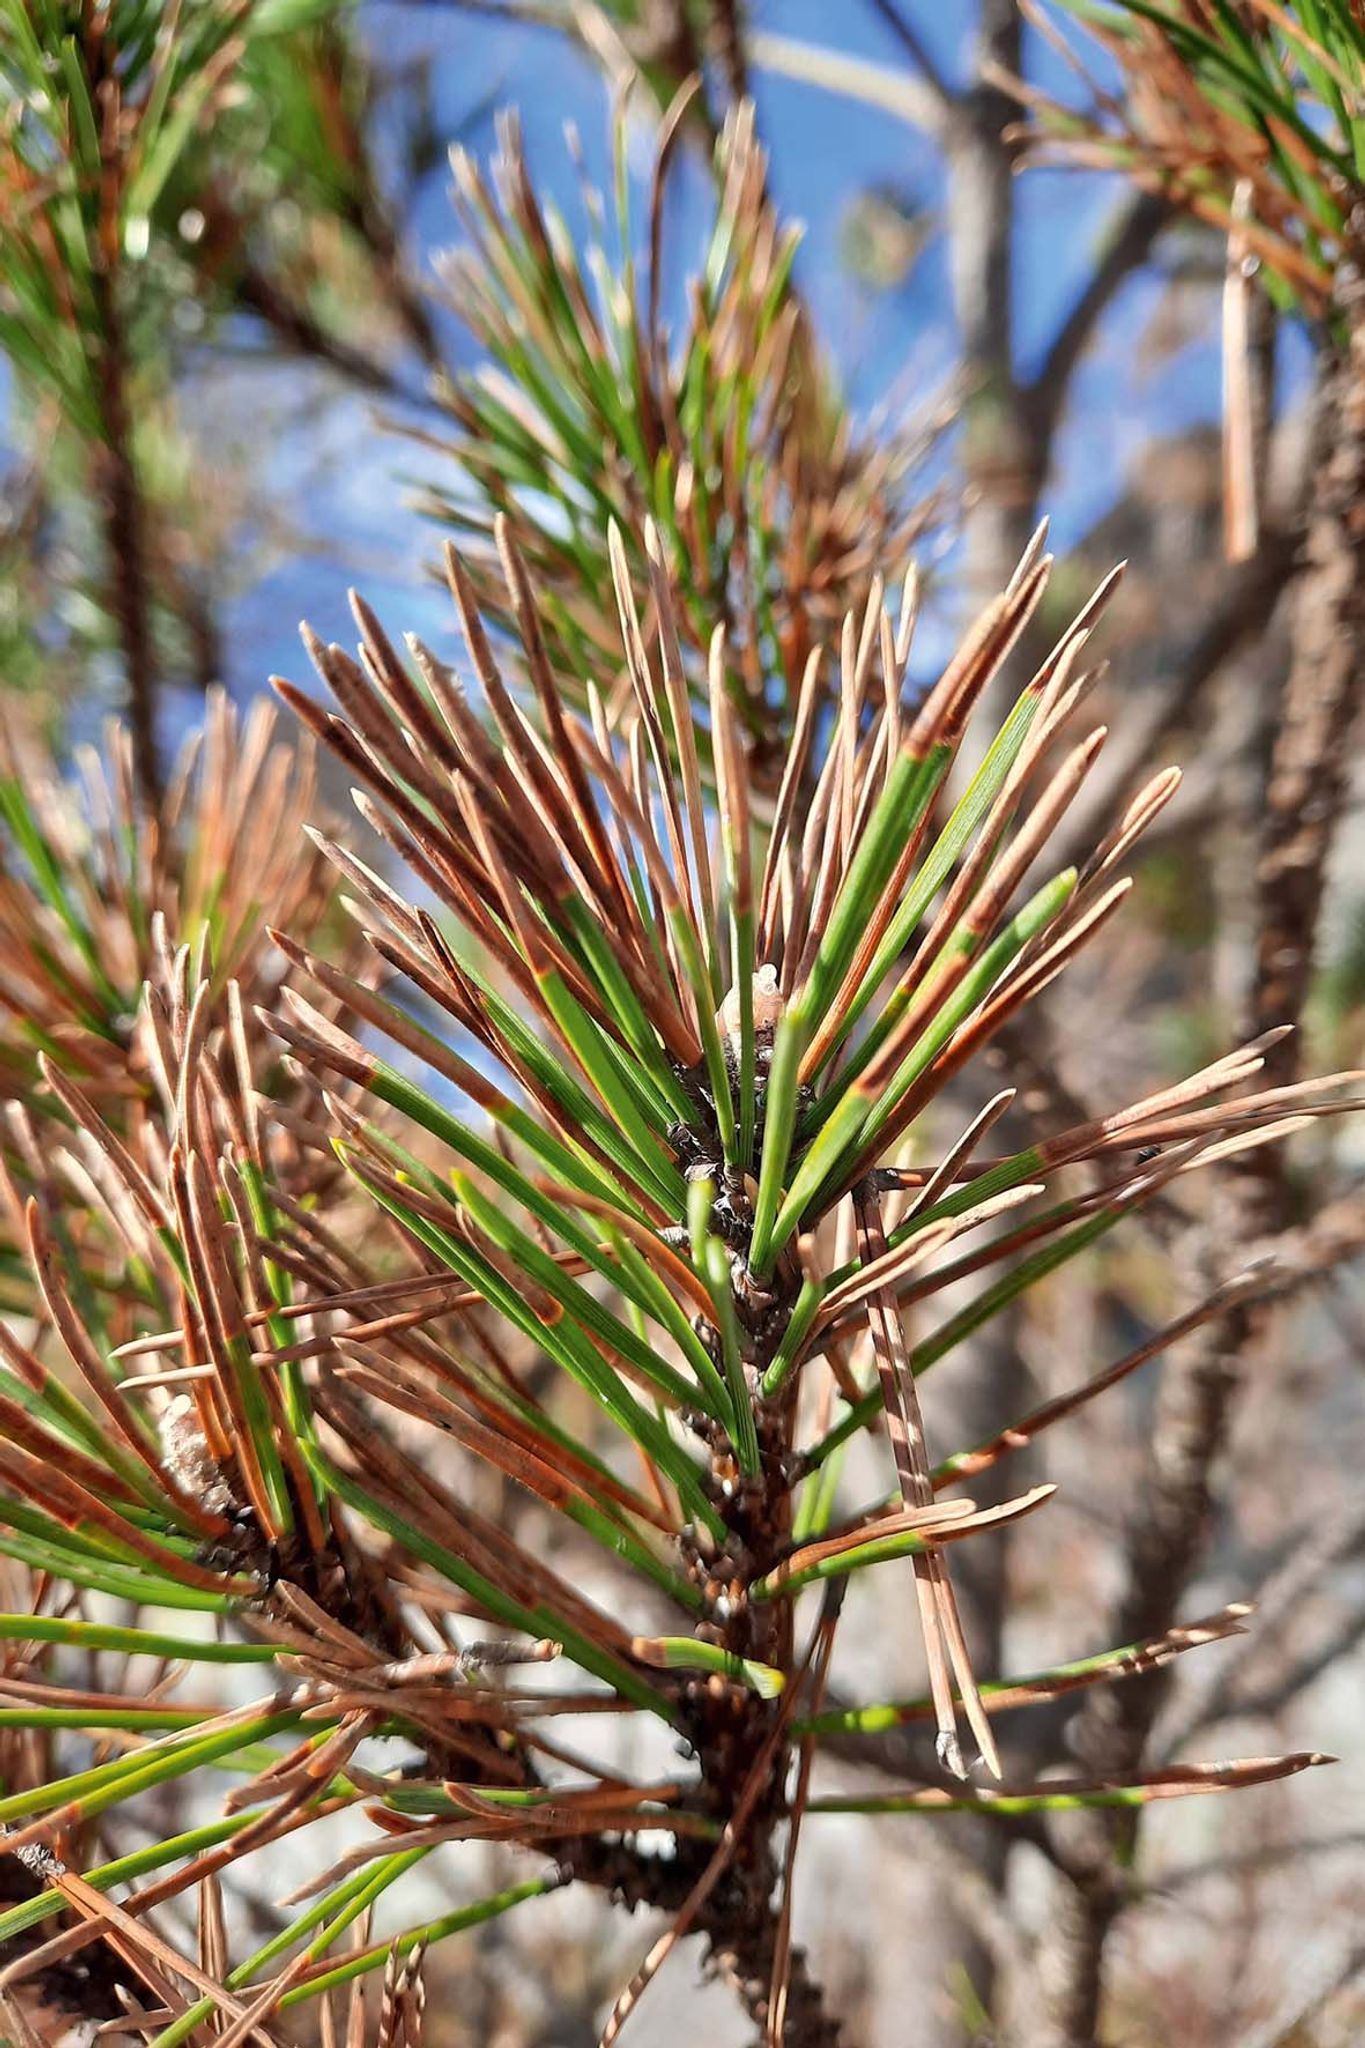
[
  {"x": 1303, "y": 797},
  {"x": 1311, "y": 758},
  {"x": 1004, "y": 468},
  {"x": 129, "y": 591},
  {"x": 116, "y": 480}
]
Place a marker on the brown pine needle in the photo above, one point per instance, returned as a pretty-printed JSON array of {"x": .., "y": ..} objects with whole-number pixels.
[
  {"x": 938, "y": 1615},
  {"x": 726, "y": 1849}
]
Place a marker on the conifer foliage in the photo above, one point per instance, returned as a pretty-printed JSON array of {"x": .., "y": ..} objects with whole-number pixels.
[{"x": 500, "y": 1371}]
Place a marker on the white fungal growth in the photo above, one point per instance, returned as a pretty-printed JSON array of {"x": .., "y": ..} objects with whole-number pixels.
[{"x": 767, "y": 1001}]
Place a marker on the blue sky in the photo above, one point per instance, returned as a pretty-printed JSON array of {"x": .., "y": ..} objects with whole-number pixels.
[
  {"x": 894, "y": 347},
  {"x": 325, "y": 458}
]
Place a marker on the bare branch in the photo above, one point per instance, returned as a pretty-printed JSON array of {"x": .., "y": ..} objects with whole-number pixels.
[
  {"x": 1324, "y": 1542},
  {"x": 910, "y": 40},
  {"x": 1250, "y": 596},
  {"x": 1265, "y": 1856},
  {"x": 1128, "y": 242},
  {"x": 910, "y": 99},
  {"x": 1286, "y": 2026}
]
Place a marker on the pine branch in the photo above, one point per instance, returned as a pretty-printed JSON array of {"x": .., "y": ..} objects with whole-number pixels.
[{"x": 125, "y": 539}]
